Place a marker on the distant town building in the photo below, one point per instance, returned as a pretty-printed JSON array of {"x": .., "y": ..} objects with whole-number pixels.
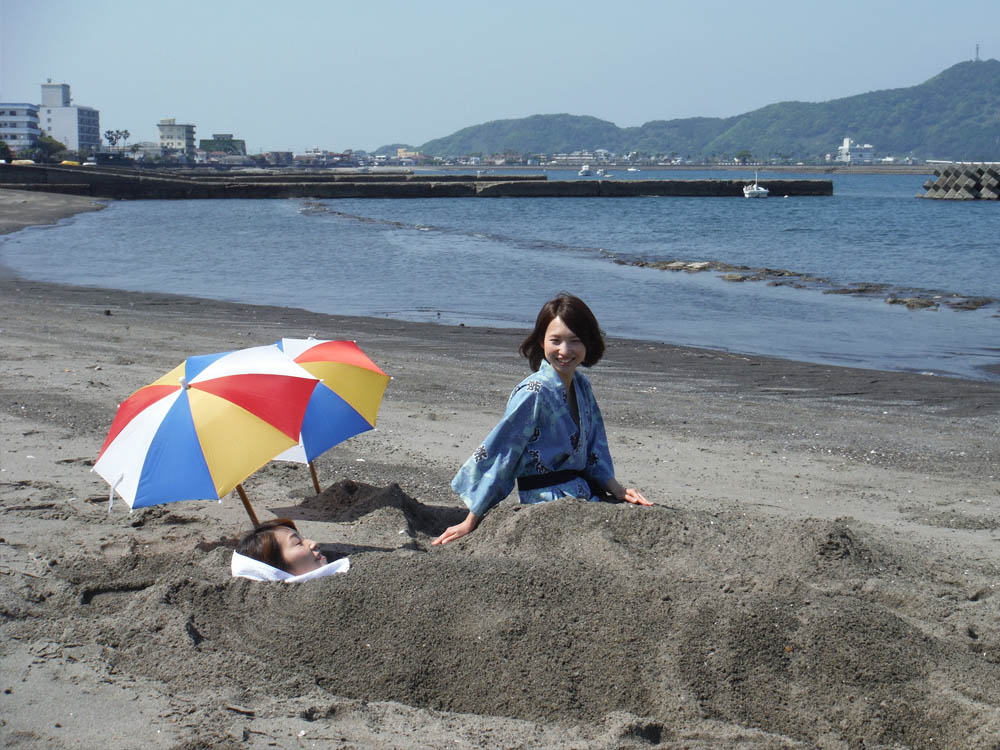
[
  {"x": 19, "y": 126},
  {"x": 317, "y": 157},
  {"x": 856, "y": 153},
  {"x": 78, "y": 128},
  {"x": 145, "y": 149},
  {"x": 579, "y": 158},
  {"x": 405, "y": 157},
  {"x": 279, "y": 158},
  {"x": 225, "y": 143},
  {"x": 221, "y": 158},
  {"x": 176, "y": 136}
]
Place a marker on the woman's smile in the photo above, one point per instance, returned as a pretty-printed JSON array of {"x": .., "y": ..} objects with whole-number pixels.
[{"x": 563, "y": 349}]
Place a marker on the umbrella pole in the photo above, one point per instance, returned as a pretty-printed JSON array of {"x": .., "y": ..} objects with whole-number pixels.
[
  {"x": 246, "y": 504},
  {"x": 312, "y": 470}
]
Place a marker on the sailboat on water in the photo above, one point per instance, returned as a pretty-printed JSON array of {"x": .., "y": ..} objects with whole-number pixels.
[{"x": 755, "y": 190}]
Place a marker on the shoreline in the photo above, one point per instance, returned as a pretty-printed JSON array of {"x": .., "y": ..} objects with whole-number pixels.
[
  {"x": 820, "y": 569},
  {"x": 23, "y": 209},
  {"x": 726, "y": 363},
  {"x": 921, "y": 169},
  {"x": 20, "y": 209}
]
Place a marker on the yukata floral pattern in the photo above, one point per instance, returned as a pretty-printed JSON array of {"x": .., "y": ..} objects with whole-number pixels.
[{"x": 537, "y": 435}]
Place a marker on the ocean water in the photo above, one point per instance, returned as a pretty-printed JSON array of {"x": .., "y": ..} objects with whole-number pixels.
[{"x": 494, "y": 261}]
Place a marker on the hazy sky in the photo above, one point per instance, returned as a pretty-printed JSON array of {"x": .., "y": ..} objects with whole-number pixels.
[{"x": 360, "y": 74}]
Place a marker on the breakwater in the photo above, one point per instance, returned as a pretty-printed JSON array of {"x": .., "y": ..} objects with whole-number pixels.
[
  {"x": 964, "y": 182},
  {"x": 136, "y": 184}
]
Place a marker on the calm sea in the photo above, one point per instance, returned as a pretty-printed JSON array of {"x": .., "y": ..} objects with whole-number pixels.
[{"x": 494, "y": 261}]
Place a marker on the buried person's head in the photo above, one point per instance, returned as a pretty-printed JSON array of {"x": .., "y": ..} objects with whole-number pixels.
[{"x": 278, "y": 543}]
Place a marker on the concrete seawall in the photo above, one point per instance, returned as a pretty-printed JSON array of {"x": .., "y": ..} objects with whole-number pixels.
[
  {"x": 148, "y": 184},
  {"x": 964, "y": 182}
]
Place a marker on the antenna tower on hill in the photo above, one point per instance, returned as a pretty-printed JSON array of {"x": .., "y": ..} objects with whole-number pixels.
[{"x": 977, "y": 53}]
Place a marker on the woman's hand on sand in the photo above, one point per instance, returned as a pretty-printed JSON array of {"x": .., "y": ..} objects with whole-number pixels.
[
  {"x": 459, "y": 530},
  {"x": 632, "y": 495}
]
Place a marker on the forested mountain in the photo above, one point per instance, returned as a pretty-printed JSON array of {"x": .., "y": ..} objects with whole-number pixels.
[{"x": 954, "y": 115}]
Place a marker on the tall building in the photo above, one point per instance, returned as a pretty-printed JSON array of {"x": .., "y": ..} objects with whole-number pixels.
[
  {"x": 76, "y": 127},
  {"x": 176, "y": 136},
  {"x": 856, "y": 153},
  {"x": 19, "y": 126}
]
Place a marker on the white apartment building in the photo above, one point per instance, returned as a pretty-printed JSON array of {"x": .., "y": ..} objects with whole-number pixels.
[
  {"x": 176, "y": 136},
  {"x": 19, "y": 127},
  {"x": 78, "y": 128},
  {"x": 579, "y": 158},
  {"x": 855, "y": 153}
]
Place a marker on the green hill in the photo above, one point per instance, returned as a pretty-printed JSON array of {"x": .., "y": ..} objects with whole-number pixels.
[{"x": 954, "y": 115}]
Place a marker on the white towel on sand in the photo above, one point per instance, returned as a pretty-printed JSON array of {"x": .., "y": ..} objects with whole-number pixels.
[{"x": 247, "y": 567}]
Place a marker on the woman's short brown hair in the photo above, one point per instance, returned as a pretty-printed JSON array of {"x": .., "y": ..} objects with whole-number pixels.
[
  {"x": 261, "y": 544},
  {"x": 580, "y": 320}
]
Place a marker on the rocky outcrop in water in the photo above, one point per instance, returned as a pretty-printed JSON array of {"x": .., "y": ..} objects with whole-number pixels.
[{"x": 913, "y": 299}]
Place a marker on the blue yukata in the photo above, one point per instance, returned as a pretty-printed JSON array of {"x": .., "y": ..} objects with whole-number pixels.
[{"x": 537, "y": 435}]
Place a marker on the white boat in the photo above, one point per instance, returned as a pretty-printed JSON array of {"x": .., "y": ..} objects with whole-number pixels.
[
  {"x": 600, "y": 173},
  {"x": 584, "y": 171},
  {"x": 631, "y": 169},
  {"x": 755, "y": 190}
]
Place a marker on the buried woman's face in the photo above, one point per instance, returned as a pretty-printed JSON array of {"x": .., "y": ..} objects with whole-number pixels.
[{"x": 300, "y": 555}]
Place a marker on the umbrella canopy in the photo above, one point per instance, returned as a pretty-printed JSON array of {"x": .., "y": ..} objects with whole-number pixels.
[
  {"x": 205, "y": 426},
  {"x": 344, "y": 404}
]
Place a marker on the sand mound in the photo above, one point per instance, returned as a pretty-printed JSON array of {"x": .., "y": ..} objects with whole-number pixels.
[
  {"x": 650, "y": 619},
  {"x": 349, "y": 501}
]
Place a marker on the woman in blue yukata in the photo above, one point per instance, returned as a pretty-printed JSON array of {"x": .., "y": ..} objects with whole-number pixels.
[{"x": 551, "y": 440}]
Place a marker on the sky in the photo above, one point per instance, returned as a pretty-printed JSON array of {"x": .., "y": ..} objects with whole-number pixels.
[{"x": 359, "y": 74}]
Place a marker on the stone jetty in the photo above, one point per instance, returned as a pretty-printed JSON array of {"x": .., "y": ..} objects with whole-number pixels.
[
  {"x": 964, "y": 182},
  {"x": 120, "y": 183}
]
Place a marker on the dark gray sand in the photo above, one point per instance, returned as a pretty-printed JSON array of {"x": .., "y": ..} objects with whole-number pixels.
[
  {"x": 20, "y": 209},
  {"x": 820, "y": 571}
]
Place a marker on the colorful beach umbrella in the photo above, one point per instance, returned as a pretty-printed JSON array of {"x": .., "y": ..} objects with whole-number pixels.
[
  {"x": 345, "y": 403},
  {"x": 205, "y": 426}
]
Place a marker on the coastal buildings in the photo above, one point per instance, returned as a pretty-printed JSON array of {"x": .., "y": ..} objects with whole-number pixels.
[
  {"x": 224, "y": 144},
  {"x": 222, "y": 148},
  {"x": 76, "y": 127},
  {"x": 850, "y": 152},
  {"x": 318, "y": 157},
  {"x": 279, "y": 158},
  {"x": 19, "y": 126},
  {"x": 578, "y": 158},
  {"x": 176, "y": 136},
  {"x": 406, "y": 157},
  {"x": 145, "y": 149}
]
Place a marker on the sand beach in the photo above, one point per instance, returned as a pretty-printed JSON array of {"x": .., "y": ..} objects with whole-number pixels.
[{"x": 820, "y": 570}]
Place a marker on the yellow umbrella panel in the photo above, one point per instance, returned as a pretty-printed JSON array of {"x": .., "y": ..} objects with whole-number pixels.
[{"x": 347, "y": 400}]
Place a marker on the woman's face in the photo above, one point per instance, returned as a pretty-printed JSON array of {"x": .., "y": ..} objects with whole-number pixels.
[
  {"x": 563, "y": 349},
  {"x": 300, "y": 555}
]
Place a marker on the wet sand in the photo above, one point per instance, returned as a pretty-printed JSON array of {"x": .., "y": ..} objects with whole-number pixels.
[{"x": 820, "y": 570}]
